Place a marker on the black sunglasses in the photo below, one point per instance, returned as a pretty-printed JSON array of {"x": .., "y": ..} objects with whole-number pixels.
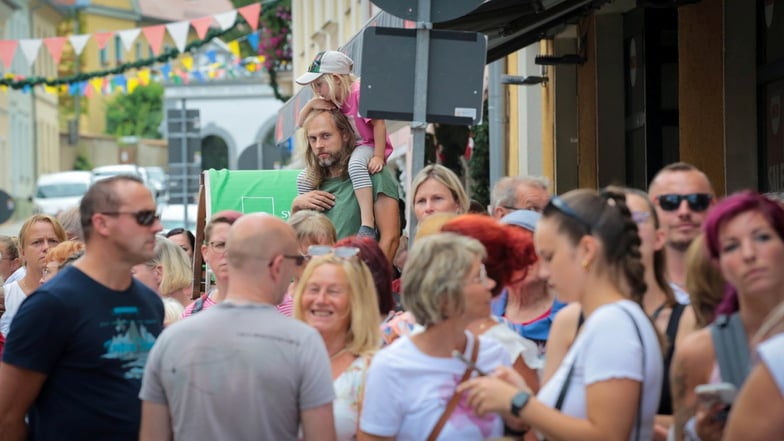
[
  {"x": 697, "y": 201},
  {"x": 145, "y": 218}
]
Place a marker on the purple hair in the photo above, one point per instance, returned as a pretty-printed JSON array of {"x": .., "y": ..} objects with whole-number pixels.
[
  {"x": 734, "y": 205},
  {"x": 727, "y": 210},
  {"x": 379, "y": 267}
]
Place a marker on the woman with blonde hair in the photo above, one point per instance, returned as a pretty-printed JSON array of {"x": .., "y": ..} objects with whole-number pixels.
[
  {"x": 704, "y": 282},
  {"x": 436, "y": 189},
  {"x": 336, "y": 295},
  {"x": 38, "y": 234},
  {"x": 168, "y": 273}
]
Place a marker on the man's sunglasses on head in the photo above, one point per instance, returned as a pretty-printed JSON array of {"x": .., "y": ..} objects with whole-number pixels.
[
  {"x": 697, "y": 201},
  {"x": 144, "y": 218}
]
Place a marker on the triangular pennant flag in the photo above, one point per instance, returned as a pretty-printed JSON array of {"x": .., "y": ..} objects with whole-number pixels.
[
  {"x": 166, "y": 70},
  {"x": 234, "y": 47},
  {"x": 201, "y": 26},
  {"x": 50, "y": 89},
  {"x": 144, "y": 77},
  {"x": 251, "y": 14},
  {"x": 78, "y": 42},
  {"x": 120, "y": 81},
  {"x": 87, "y": 92},
  {"x": 26, "y": 89},
  {"x": 226, "y": 19},
  {"x": 97, "y": 83},
  {"x": 133, "y": 83},
  {"x": 55, "y": 47},
  {"x": 7, "y": 51},
  {"x": 198, "y": 76},
  {"x": 30, "y": 48},
  {"x": 179, "y": 33},
  {"x": 187, "y": 61},
  {"x": 212, "y": 55},
  {"x": 102, "y": 37},
  {"x": 128, "y": 36},
  {"x": 154, "y": 36},
  {"x": 253, "y": 39}
]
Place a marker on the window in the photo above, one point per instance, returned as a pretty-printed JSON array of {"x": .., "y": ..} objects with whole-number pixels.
[{"x": 119, "y": 50}]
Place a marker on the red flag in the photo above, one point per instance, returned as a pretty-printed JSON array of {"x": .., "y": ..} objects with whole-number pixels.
[
  {"x": 55, "y": 47},
  {"x": 201, "y": 26},
  {"x": 7, "y": 51},
  {"x": 102, "y": 37},
  {"x": 251, "y": 14},
  {"x": 154, "y": 36}
]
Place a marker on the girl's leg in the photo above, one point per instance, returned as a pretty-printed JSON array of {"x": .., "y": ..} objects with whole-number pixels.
[{"x": 363, "y": 188}]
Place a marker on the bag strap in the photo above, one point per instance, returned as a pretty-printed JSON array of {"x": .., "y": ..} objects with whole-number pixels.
[
  {"x": 450, "y": 407},
  {"x": 642, "y": 383},
  {"x": 732, "y": 348}
]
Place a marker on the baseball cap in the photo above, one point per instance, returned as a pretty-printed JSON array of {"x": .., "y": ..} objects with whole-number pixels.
[
  {"x": 522, "y": 218},
  {"x": 331, "y": 62}
]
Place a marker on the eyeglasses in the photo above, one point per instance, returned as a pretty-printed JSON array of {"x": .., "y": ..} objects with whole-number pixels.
[
  {"x": 218, "y": 247},
  {"x": 561, "y": 205},
  {"x": 298, "y": 259},
  {"x": 697, "y": 201},
  {"x": 144, "y": 218},
  {"x": 341, "y": 252},
  {"x": 6, "y": 258},
  {"x": 640, "y": 217}
]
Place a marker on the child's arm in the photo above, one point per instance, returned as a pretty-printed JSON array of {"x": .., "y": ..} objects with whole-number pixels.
[
  {"x": 376, "y": 163},
  {"x": 314, "y": 103}
]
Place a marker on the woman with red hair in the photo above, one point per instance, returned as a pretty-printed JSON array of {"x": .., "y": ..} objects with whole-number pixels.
[{"x": 510, "y": 252}]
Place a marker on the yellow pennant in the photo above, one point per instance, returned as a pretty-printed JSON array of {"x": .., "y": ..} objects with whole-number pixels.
[
  {"x": 144, "y": 77},
  {"x": 234, "y": 47},
  {"x": 97, "y": 84},
  {"x": 187, "y": 62},
  {"x": 133, "y": 83}
]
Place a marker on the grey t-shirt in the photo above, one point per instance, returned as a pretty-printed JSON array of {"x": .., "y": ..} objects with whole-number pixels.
[{"x": 239, "y": 372}]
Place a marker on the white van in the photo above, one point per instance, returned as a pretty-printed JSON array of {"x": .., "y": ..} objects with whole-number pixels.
[{"x": 56, "y": 192}]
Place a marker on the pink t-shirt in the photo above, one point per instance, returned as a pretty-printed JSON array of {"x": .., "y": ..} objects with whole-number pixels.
[
  {"x": 286, "y": 307},
  {"x": 208, "y": 303},
  {"x": 363, "y": 127}
]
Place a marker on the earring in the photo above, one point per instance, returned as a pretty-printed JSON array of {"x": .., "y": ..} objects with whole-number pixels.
[{"x": 586, "y": 264}]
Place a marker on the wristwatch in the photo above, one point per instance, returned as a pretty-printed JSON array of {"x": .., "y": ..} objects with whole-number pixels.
[{"x": 519, "y": 401}]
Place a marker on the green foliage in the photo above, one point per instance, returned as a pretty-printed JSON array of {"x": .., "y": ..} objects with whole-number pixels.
[
  {"x": 136, "y": 114},
  {"x": 274, "y": 38},
  {"x": 82, "y": 162},
  {"x": 479, "y": 166}
]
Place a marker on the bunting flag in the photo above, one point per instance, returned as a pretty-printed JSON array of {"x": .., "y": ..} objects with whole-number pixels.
[
  {"x": 179, "y": 33},
  {"x": 226, "y": 19},
  {"x": 234, "y": 47},
  {"x": 253, "y": 39},
  {"x": 55, "y": 47},
  {"x": 166, "y": 70},
  {"x": 102, "y": 38},
  {"x": 30, "y": 49},
  {"x": 7, "y": 51},
  {"x": 133, "y": 83},
  {"x": 251, "y": 15},
  {"x": 187, "y": 61},
  {"x": 128, "y": 36},
  {"x": 144, "y": 77},
  {"x": 201, "y": 25},
  {"x": 154, "y": 36},
  {"x": 97, "y": 84},
  {"x": 78, "y": 42}
]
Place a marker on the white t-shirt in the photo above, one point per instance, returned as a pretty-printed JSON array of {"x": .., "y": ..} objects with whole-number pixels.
[
  {"x": 771, "y": 352},
  {"x": 14, "y": 296},
  {"x": 608, "y": 348},
  {"x": 408, "y": 390}
]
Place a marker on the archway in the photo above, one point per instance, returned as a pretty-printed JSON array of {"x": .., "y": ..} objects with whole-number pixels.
[{"x": 214, "y": 153}]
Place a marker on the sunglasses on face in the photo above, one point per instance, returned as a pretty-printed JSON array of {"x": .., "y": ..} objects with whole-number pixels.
[
  {"x": 144, "y": 218},
  {"x": 697, "y": 201},
  {"x": 341, "y": 252}
]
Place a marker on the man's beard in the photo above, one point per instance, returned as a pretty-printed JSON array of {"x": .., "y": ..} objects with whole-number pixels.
[{"x": 331, "y": 160}]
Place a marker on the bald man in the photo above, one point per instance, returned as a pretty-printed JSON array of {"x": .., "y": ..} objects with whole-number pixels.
[
  {"x": 682, "y": 195},
  {"x": 241, "y": 370}
]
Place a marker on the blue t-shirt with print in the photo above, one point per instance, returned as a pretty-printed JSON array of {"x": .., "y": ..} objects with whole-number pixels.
[{"x": 92, "y": 344}]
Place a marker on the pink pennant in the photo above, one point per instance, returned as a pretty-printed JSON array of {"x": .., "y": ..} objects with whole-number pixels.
[
  {"x": 7, "y": 51},
  {"x": 55, "y": 47},
  {"x": 154, "y": 36},
  {"x": 88, "y": 91},
  {"x": 251, "y": 14},
  {"x": 102, "y": 37},
  {"x": 201, "y": 26}
]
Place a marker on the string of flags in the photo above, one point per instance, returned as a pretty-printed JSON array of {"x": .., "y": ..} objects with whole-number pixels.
[{"x": 107, "y": 81}]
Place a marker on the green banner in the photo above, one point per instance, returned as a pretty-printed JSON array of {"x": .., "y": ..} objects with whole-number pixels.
[{"x": 252, "y": 191}]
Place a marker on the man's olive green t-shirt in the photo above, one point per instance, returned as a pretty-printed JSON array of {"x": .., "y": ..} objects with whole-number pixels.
[{"x": 345, "y": 214}]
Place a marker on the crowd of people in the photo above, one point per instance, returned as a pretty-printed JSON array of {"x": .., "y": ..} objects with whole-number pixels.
[{"x": 612, "y": 314}]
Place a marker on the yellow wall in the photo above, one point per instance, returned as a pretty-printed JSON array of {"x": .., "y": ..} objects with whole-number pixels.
[{"x": 548, "y": 116}]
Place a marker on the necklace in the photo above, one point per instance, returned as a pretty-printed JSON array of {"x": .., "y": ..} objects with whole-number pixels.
[{"x": 338, "y": 354}]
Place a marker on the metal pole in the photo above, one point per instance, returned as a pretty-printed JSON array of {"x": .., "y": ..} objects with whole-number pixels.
[
  {"x": 419, "y": 124},
  {"x": 185, "y": 163},
  {"x": 496, "y": 107}
]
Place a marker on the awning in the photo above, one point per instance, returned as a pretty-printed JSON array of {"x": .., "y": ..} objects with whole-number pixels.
[{"x": 510, "y": 25}]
